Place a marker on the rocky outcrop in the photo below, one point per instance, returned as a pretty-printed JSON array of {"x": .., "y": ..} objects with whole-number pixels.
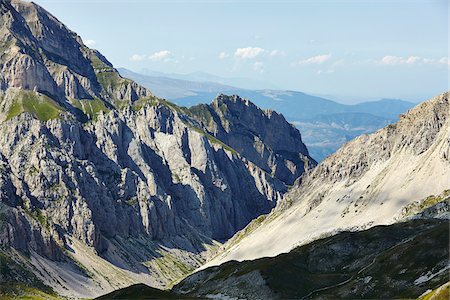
[
  {"x": 130, "y": 174},
  {"x": 133, "y": 173},
  {"x": 263, "y": 136},
  {"x": 414, "y": 134},
  {"x": 35, "y": 56}
]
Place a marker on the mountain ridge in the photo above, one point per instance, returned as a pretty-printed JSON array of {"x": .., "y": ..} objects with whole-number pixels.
[
  {"x": 381, "y": 172},
  {"x": 303, "y": 110},
  {"x": 102, "y": 184}
]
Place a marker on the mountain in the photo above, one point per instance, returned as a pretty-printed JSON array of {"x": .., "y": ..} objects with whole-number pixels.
[
  {"x": 240, "y": 82},
  {"x": 402, "y": 260},
  {"x": 367, "y": 182},
  {"x": 103, "y": 185},
  {"x": 324, "y": 134},
  {"x": 173, "y": 88},
  {"x": 325, "y": 124},
  {"x": 35, "y": 58},
  {"x": 264, "y": 137},
  {"x": 293, "y": 105}
]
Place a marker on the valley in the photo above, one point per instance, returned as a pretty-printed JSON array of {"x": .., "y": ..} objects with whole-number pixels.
[{"x": 110, "y": 191}]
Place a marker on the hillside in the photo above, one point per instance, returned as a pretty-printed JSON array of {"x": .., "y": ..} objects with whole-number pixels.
[
  {"x": 367, "y": 182},
  {"x": 402, "y": 260}
]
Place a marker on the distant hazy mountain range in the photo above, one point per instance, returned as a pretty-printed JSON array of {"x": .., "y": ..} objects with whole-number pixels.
[
  {"x": 325, "y": 124},
  {"x": 241, "y": 82}
]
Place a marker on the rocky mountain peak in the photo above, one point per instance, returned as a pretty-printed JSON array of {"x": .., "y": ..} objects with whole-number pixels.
[
  {"x": 264, "y": 137},
  {"x": 414, "y": 133},
  {"x": 41, "y": 54}
]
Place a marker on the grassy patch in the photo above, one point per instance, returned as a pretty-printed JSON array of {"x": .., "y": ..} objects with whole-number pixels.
[
  {"x": 111, "y": 81},
  {"x": 144, "y": 102},
  {"x": 170, "y": 266},
  {"x": 214, "y": 140},
  {"x": 142, "y": 291},
  {"x": 202, "y": 112},
  {"x": 419, "y": 206},
  {"x": 97, "y": 63},
  {"x": 23, "y": 292},
  {"x": 441, "y": 293},
  {"x": 40, "y": 106},
  {"x": 17, "y": 282},
  {"x": 91, "y": 108}
]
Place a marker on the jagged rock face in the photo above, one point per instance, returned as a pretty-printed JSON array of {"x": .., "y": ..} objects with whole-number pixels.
[
  {"x": 416, "y": 131},
  {"x": 264, "y": 137},
  {"x": 369, "y": 181},
  {"x": 95, "y": 169},
  {"x": 40, "y": 53},
  {"x": 129, "y": 174}
]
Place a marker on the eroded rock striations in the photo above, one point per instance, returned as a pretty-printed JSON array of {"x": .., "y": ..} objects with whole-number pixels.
[{"x": 104, "y": 185}]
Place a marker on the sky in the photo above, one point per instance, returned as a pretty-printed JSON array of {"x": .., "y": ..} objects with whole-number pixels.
[{"x": 350, "y": 49}]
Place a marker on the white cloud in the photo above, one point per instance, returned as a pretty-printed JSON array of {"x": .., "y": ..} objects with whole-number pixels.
[
  {"x": 400, "y": 60},
  {"x": 248, "y": 53},
  {"x": 411, "y": 60},
  {"x": 258, "y": 66},
  {"x": 445, "y": 61},
  {"x": 161, "y": 55},
  {"x": 277, "y": 52},
  {"x": 392, "y": 60},
  {"x": 318, "y": 59},
  {"x": 223, "y": 55},
  {"x": 90, "y": 43},
  {"x": 138, "y": 57}
]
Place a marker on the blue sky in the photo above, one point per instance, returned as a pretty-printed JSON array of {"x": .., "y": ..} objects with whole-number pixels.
[{"x": 349, "y": 49}]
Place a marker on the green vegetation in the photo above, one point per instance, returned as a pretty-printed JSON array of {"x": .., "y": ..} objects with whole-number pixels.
[
  {"x": 144, "y": 102},
  {"x": 38, "y": 216},
  {"x": 97, "y": 63},
  {"x": 419, "y": 206},
  {"x": 17, "y": 282},
  {"x": 91, "y": 108},
  {"x": 40, "y": 106},
  {"x": 142, "y": 291},
  {"x": 252, "y": 226},
  {"x": 24, "y": 292},
  {"x": 441, "y": 293},
  {"x": 173, "y": 106},
  {"x": 110, "y": 80},
  {"x": 203, "y": 113},
  {"x": 214, "y": 140},
  {"x": 170, "y": 266},
  {"x": 132, "y": 201}
]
